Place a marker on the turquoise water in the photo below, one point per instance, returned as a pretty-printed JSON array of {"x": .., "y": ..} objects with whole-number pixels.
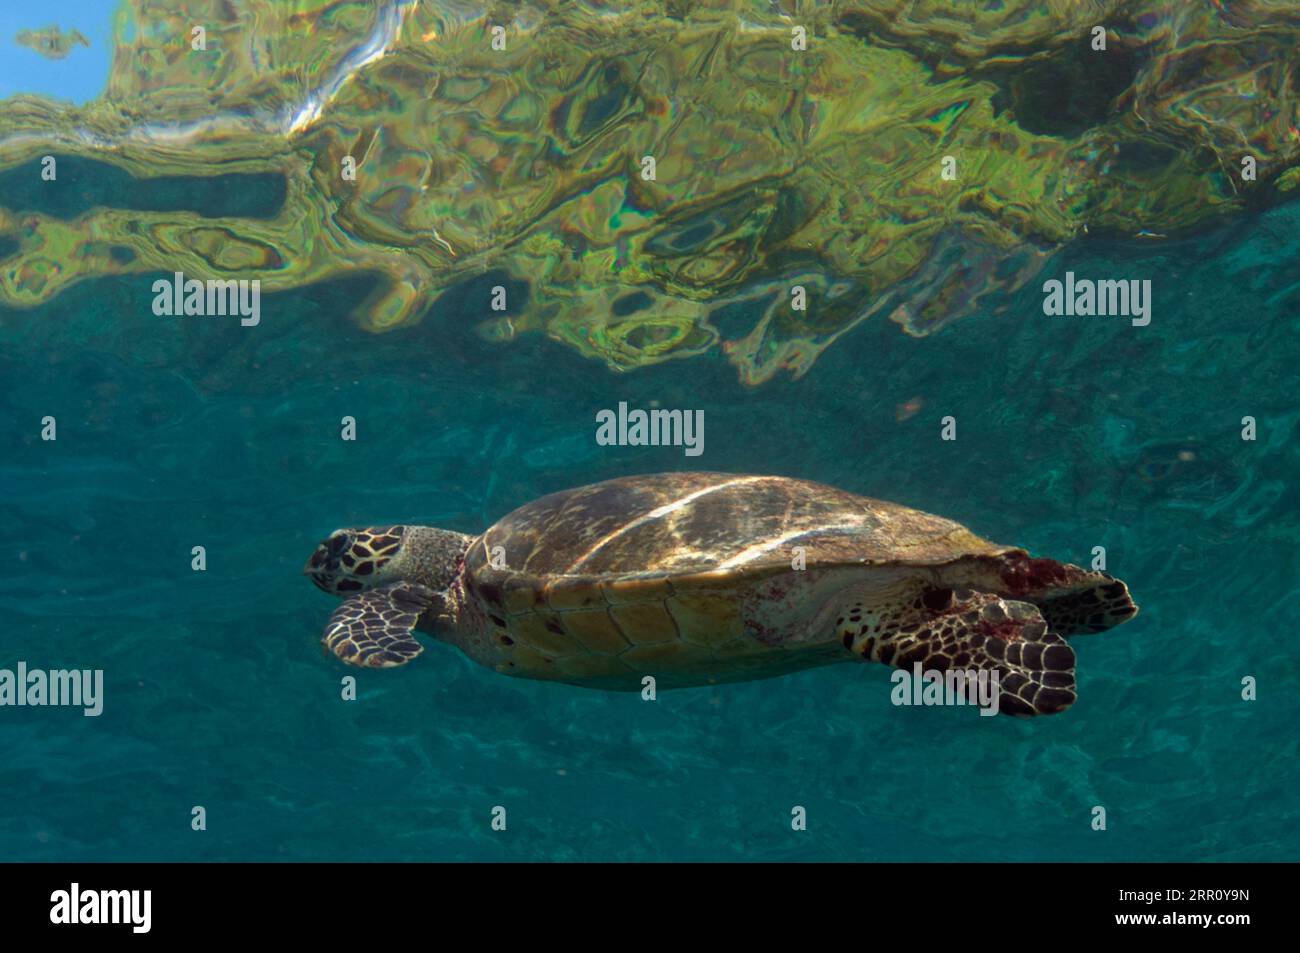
[
  {"x": 82, "y": 74},
  {"x": 1072, "y": 433}
]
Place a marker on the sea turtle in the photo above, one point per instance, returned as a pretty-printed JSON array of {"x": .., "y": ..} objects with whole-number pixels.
[{"x": 700, "y": 578}]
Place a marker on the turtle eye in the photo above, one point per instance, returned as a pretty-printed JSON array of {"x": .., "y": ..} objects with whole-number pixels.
[{"x": 336, "y": 545}]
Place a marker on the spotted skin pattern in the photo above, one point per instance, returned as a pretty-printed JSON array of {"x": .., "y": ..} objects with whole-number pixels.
[
  {"x": 342, "y": 562},
  {"x": 373, "y": 629},
  {"x": 945, "y": 629}
]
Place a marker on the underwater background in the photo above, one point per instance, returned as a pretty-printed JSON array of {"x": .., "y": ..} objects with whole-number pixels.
[{"x": 1072, "y": 433}]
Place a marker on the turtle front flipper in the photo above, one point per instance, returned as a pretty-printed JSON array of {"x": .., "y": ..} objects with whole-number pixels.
[
  {"x": 976, "y": 632},
  {"x": 374, "y": 628}
]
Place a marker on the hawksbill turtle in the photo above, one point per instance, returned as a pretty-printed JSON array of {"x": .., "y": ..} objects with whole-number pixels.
[{"x": 701, "y": 578}]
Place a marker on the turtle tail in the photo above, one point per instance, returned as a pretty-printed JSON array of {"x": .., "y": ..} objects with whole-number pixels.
[
  {"x": 1095, "y": 608},
  {"x": 1073, "y": 600}
]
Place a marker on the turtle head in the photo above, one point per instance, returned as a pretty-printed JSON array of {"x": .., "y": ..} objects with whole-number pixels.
[{"x": 350, "y": 560}]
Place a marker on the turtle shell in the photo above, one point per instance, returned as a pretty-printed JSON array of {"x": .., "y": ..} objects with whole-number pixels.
[
  {"x": 647, "y": 569},
  {"x": 676, "y": 524}
]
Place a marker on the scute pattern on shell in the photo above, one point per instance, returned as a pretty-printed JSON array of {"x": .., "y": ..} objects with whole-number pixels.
[{"x": 679, "y": 524}]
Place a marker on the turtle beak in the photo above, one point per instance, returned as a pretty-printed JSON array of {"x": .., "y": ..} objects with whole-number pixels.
[{"x": 315, "y": 562}]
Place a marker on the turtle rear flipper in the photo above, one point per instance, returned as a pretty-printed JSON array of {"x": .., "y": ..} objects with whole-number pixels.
[
  {"x": 374, "y": 628},
  {"x": 973, "y": 631}
]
